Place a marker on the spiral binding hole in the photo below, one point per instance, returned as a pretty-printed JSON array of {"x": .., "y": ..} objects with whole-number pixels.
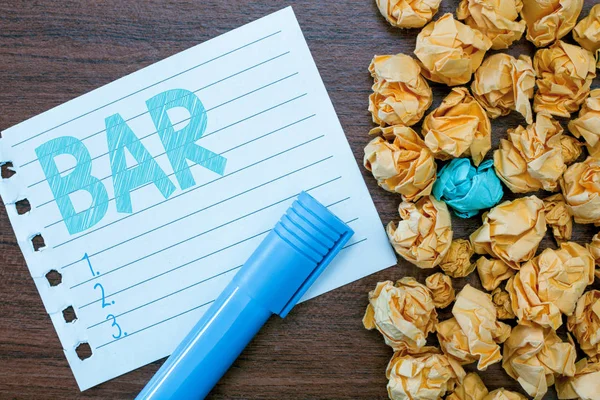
[
  {"x": 6, "y": 170},
  {"x": 23, "y": 206},
  {"x": 38, "y": 242},
  {"x": 83, "y": 350},
  {"x": 69, "y": 314},
  {"x": 54, "y": 278}
]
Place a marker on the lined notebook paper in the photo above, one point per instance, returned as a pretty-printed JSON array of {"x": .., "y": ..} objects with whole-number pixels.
[{"x": 152, "y": 191}]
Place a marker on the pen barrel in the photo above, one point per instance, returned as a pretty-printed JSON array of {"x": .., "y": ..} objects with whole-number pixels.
[{"x": 210, "y": 349}]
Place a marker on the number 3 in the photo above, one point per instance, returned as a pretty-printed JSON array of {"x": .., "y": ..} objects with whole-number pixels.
[{"x": 115, "y": 324}]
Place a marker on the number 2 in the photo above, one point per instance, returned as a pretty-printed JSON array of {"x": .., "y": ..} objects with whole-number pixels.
[
  {"x": 104, "y": 303},
  {"x": 115, "y": 324}
]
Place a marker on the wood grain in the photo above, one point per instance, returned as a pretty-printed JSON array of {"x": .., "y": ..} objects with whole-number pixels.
[{"x": 52, "y": 51}]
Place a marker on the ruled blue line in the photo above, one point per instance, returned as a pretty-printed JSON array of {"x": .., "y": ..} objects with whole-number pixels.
[
  {"x": 338, "y": 202},
  {"x": 205, "y": 208},
  {"x": 183, "y": 193},
  {"x": 207, "y": 183},
  {"x": 147, "y": 87},
  {"x": 176, "y": 124},
  {"x": 195, "y": 212},
  {"x": 184, "y": 265},
  {"x": 194, "y": 237},
  {"x": 146, "y": 112},
  {"x": 188, "y": 311},
  {"x": 158, "y": 323},
  {"x": 182, "y": 289},
  {"x": 163, "y": 297},
  {"x": 172, "y": 269}
]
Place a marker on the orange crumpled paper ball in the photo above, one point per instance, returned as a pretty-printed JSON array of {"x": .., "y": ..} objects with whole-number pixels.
[
  {"x": 428, "y": 375},
  {"x": 564, "y": 76},
  {"x": 457, "y": 261},
  {"x": 550, "y": 284},
  {"x": 558, "y": 217},
  {"x": 504, "y": 83},
  {"x": 459, "y": 126},
  {"x": 492, "y": 272},
  {"x": 581, "y": 189},
  {"x": 587, "y": 124},
  {"x": 400, "y": 94},
  {"x": 408, "y": 13},
  {"x": 424, "y": 234},
  {"x": 501, "y": 300},
  {"x": 533, "y": 356},
  {"x": 472, "y": 388},
  {"x": 402, "y": 312},
  {"x": 454, "y": 342},
  {"x": 587, "y": 31},
  {"x": 584, "y": 385},
  {"x": 401, "y": 162},
  {"x": 594, "y": 249},
  {"x": 476, "y": 315},
  {"x": 497, "y": 19},
  {"x": 441, "y": 289},
  {"x": 584, "y": 323},
  {"x": 549, "y": 20},
  {"x": 531, "y": 158},
  {"x": 450, "y": 51},
  {"x": 512, "y": 231}
]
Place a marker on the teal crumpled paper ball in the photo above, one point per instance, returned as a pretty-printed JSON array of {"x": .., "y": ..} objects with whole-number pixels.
[{"x": 467, "y": 189}]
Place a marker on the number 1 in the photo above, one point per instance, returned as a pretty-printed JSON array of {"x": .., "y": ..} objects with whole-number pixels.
[{"x": 87, "y": 258}]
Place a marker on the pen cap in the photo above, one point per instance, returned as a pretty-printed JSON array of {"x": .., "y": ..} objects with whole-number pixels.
[{"x": 293, "y": 255}]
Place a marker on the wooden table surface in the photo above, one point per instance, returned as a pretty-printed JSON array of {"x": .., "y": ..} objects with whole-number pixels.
[{"x": 53, "y": 51}]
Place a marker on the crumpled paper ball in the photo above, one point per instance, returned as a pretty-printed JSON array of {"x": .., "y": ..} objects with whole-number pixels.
[
  {"x": 459, "y": 126},
  {"x": 441, "y": 289},
  {"x": 594, "y": 249},
  {"x": 550, "y": 284},
  {"x": 587, "y": 124},
  {"x": 558, "y": 217},
  {"x": 492, "y": 272},
  {"x": 404, "y": 166},
  {"x": 466, "y": 189},
  {"x": 472, "y": 388},
  {"x": 585, "y": 323},
  {"x": 408, "y": 13},
  {"x": 403, "y": 313},
  {"x": 450, "y": 51},
  {"x": 424, "y": 376},
  {"x": 549, "y": 20},
  {"x": 476, "y": 315},
  {"x": 581, "y": 188},
  {"x": 533, "y": 355},
  {"x": 587, "y": 31},
  {"x": 504, "y": 83},
  {"x": 497, "y": 19},
  {"x": 453, "y": 342},
  {"x": 501, "y": 300},
  {"x": 564, "y": 76},
  {"x": 512, "y": 231},
  {"x": 503, "y": 394},
  {"x": 400, "y": 94},
  {"x": 424, "y": 235},
  {"x": 571, "y": 149},
  {"x": 584, "y": 385},
  {"x": 531, "y": 158},
  {"x": 457, "y": 261}
]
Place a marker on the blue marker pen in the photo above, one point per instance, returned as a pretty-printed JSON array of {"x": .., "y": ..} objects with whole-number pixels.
[{"x": 274, "y": 278}]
